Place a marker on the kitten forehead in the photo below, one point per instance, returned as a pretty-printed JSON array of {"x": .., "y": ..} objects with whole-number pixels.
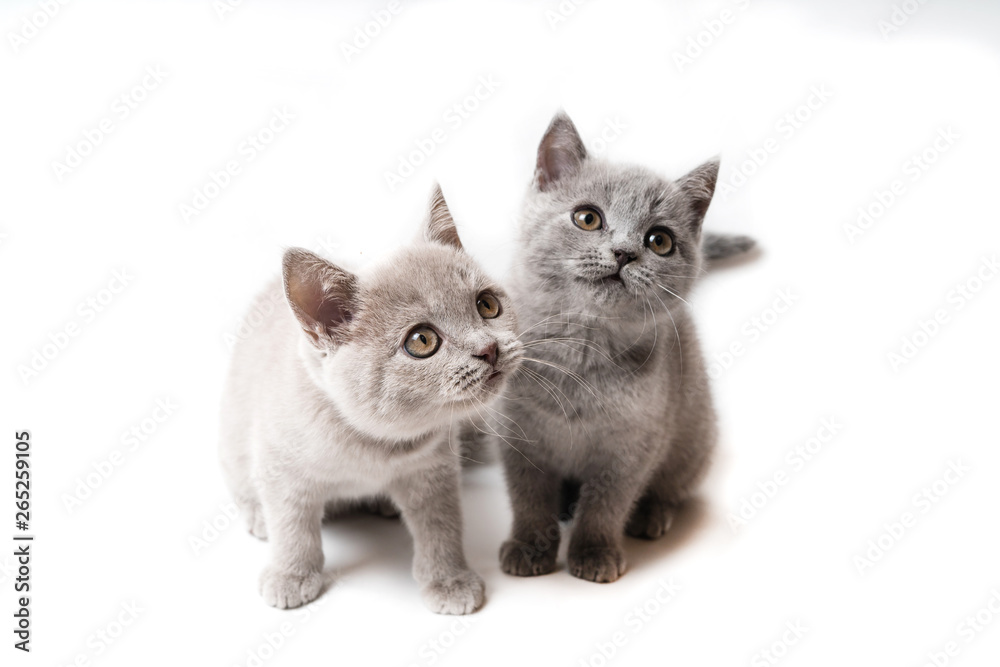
[
  {"x": 420, "y": 284},
  {"x": 431, "y": 270},
  {"x": 624, "y": 191}
]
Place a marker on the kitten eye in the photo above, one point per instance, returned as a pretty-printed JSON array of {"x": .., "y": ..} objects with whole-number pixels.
[
  {"x": 659, "y": 240},
  {"x": 422, "y": 342},
  {"x": 488, "y": 306},
  {"x": 587, "y": 219}
]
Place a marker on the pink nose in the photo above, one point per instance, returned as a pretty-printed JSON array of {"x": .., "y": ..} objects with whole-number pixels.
[{"x": 489, "y": 354}]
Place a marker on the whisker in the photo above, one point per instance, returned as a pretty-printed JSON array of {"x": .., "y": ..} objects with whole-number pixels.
[
  {"x": 492, "y": 431},
  {"x": 571, "y": 373},
  {"x": 545, "y": 383},
  {"x": 673, "y": 293},
  {"x": 451, "y": 442},
  {"x": 505, "y": 439},
  {"x": 548, "y": 320},
  {"x": 540, "y": 381},
  {"x": 567, "y": 340},
  {"x": 653, "y": 346},
  {"x": 524, "y": 436},
  {"x": 677, "y": 334}
]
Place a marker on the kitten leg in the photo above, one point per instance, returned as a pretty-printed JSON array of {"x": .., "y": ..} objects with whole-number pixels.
[
  {"x": 236, "y": 468},
  {"x": 671, "y": 485},
  {"x": 247, "y": 501},
  {"x": 676, "y": 478},
  {"x": 535, "y": 497},
  {"x": 250, "y": 507},
  {"x": 652, "y": 516},
  {"x": 595, "y": 549},
  {"x": 430, "y": 507},
  {"x": 294, "y": 575}
]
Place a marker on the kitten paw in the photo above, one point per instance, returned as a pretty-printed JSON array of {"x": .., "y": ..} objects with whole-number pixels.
[
  {"x": 286, "y": 590},
  {"x": 650, "y": 520},
  {"x": 524, "y": 560},
  {"x": 463, "y": 594},
  {"x": 600, "y": 564}
]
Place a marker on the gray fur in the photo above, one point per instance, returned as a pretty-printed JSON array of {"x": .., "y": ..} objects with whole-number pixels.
[
  {"x": 613, "y": 396},
  {"x": 324, "y": 409},
  {"x": 722, "y": 246}
]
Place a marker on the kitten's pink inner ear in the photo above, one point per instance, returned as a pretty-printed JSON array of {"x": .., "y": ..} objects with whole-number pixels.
[
  {"x": 440, "y": 226},
  {"x": 333, "y": 313},
  {"x": 319, "y": 293},
  {"x": 560, "y": 153}
]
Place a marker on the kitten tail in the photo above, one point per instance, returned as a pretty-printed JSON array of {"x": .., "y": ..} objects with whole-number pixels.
[{"x": 721, "y": 246}]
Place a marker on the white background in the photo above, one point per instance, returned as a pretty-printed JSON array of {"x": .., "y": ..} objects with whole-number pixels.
[{"x": 321, "y": 183}]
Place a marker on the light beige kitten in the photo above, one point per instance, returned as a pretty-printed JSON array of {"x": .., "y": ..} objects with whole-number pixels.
[{"x": 351, "y": 393}]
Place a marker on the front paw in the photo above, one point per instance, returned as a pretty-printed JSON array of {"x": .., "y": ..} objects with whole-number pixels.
[
  {"x": 286, "y": 590},
  {"x": 524, "y": 560},
  {"x": 462, "y": 594},
  {"x": 602, "y": 564}
]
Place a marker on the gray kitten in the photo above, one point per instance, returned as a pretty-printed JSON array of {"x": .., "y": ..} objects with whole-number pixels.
[
  {"x": 350, "y": 393},
  {"x": 615, "y": 408}
]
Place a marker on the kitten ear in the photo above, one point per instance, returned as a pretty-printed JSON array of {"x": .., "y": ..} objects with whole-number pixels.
[
  {"x": 322, "y": 296},
  {"x": 560, "y": 153},
  {"x": 699, "y": 185},
  {"x": 440, "y": 227}
]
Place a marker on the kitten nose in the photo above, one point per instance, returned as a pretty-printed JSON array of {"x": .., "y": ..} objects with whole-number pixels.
[
  {"x": 489, "y": 354},
  {"x": 623, "y": 257}
]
